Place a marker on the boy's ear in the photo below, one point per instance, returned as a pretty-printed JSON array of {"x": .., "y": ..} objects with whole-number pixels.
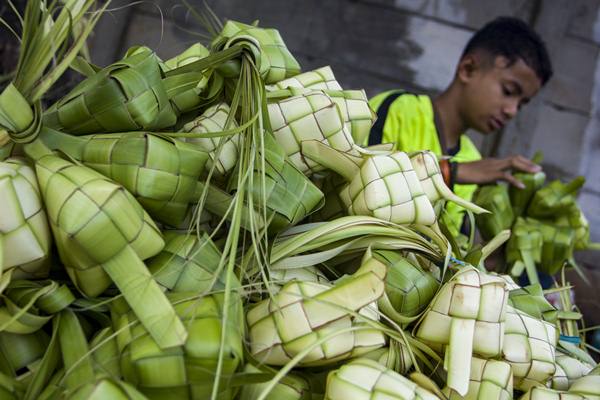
[{"x": 467, "y": 66}]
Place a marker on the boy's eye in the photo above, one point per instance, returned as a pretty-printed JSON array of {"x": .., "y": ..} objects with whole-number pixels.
[{"x": 507, "y": 91}]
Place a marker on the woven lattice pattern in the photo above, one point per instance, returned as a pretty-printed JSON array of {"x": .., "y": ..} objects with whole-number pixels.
[
  {"x": 275, "y": 62},
  {"x": 160, "y": 172},
  {"x": 408, "y": 287},
  {"x": 490, "y": 380},
  {"x": 387, "y": 187},
  {"x": 188, "y": 371},
  {"x": 128, "y": 95},
  {"x": 93, "y": 220},
  {"x": 529, "y": 347},
  {"x": 568, "y": 369},
  {"x": 187, "y": 263},
  {"x": 289, "y": 193},
  {"x": 557, "y": 247},
  {"x": 494, "y": 198},
  {"x": 356, "y": 112},
  {"x": 23, "y": 224},
  {"x": 365, "y": 379},
  {"x": 554, "y": 199},
  {"x": 308, "y": 116},
  {"x": 303, "y": 312},
  {"x": 318, "y": 79},
  {"x": 330, "y": 185},
  {"x": 214, "y": 119},
  {"x": 469, "y": 295},
  {"x": 305, "y": 274}
]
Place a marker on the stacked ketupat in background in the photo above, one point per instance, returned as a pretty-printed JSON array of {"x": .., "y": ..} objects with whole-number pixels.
[{"x": 154, "y": 240}]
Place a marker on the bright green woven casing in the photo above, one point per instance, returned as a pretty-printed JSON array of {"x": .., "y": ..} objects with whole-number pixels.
[
  {"x": 365, "y": 379},
  {"x": 520, "y": 198},
  {"x": 308, "y": 116},
  {"x": 529, "y": 347},
  {"x": 273, "y": 59},
  {"x": 290, "y": 195},
  {"x": 557, "y": 247},
  {"x": 493, "y": 198},
  {"x": 128, "y": 95},
  {"x": 188, "y": 371},
  {"x": 408, "y": 287},
  {"x": 330, "y": 184},
  {"x": 530, "y": 299},
  {"x": 320, "y": 78},
  {"x": 93, "y": 220},
  {"x": 490, "y": 380},
  {"x": 214, "y": 119},
  {"x": 554, "y": 199},
  {"x": 160, "y": 172},
  {"x": 24, "y": 227},
  {"x": 387, "y": 187},
  {"x": 187, "y": 263}
]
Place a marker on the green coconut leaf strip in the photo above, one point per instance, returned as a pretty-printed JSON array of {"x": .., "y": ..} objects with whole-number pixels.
[
  {"x": 79, "y": 369},
  {"x": 145, "y": 298},
  {"x": 47, "y": 366}
]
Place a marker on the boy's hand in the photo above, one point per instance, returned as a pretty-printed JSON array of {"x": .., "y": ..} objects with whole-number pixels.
[{"x": 490, "y": 170}]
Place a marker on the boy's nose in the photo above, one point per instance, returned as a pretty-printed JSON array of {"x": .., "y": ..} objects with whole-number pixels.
[{"x": 510, "y": 109}]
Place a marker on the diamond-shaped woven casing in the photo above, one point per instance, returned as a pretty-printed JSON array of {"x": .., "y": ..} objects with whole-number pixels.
[
  {"x": 275, "y": 62},
  {"x": 291, "y": 387},
  {"x": 490, "y": 380},
  {"x": 187, "y": 263},
  {"x": 557, "y": 247},
  {"x": 305, "y": 274},
  {"x": 568, "y": 369},
  {"x": 159, "y": 171},
  {"x": 365, "y": 379},
  {"x": 471, "y": 295},
  {"x": 308, "y": 116},
  {"x": 212, "y": 120},
  {"x": 529, "y": 347},
  {"x": 408, "y": 287},
  {"x": 93, "y": 219},
  {"x": 303, "y": 312},
  {"x": 188, "y": 371},
  {"x": 320, "y": 79},
  {"x": 356, "y": 112},
  {"x": 584, "y": 388},
  {"x": 387, "y": 187},
  {"x": 467, "y": 314},
  {"x": 24, "y": 229},
  {"x": 493, "y": 198},
  {"x": 290, "y": 195},
  {"x": 128, "y": 95},
  {"x": 330, "y": 184}
]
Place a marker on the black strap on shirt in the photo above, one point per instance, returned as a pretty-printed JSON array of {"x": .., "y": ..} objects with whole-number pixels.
[{"x": 376, "y": 134}]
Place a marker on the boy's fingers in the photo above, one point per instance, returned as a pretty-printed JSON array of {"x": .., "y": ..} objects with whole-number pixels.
[
  {"x": 523, "y": 164},
  {"x": 513, "y": 181}
]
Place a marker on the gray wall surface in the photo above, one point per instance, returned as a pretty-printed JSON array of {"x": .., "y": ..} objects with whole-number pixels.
[{"x": 414, "y": 44}]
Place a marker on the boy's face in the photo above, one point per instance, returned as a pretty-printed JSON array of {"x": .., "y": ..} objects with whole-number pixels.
[{"x": 494, "y": 91}]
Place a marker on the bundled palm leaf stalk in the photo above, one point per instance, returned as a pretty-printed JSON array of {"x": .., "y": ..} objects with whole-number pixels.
[{"x": 207, "y": 227}]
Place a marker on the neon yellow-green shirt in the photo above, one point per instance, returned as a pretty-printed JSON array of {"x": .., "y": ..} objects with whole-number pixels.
[{"x": 410, "y": 126}]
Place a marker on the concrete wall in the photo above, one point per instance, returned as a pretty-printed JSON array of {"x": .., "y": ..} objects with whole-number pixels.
[{"x": 414, "y": 44}]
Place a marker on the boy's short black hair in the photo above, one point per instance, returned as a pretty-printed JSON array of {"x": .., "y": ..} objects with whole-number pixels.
[{"x": 512, "y": 38}]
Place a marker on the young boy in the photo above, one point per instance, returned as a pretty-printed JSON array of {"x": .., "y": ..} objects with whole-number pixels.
[{"x": 501, "y": 68}]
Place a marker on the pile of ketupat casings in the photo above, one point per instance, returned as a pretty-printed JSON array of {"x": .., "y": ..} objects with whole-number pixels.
[{"x": 206, "y": 227}]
